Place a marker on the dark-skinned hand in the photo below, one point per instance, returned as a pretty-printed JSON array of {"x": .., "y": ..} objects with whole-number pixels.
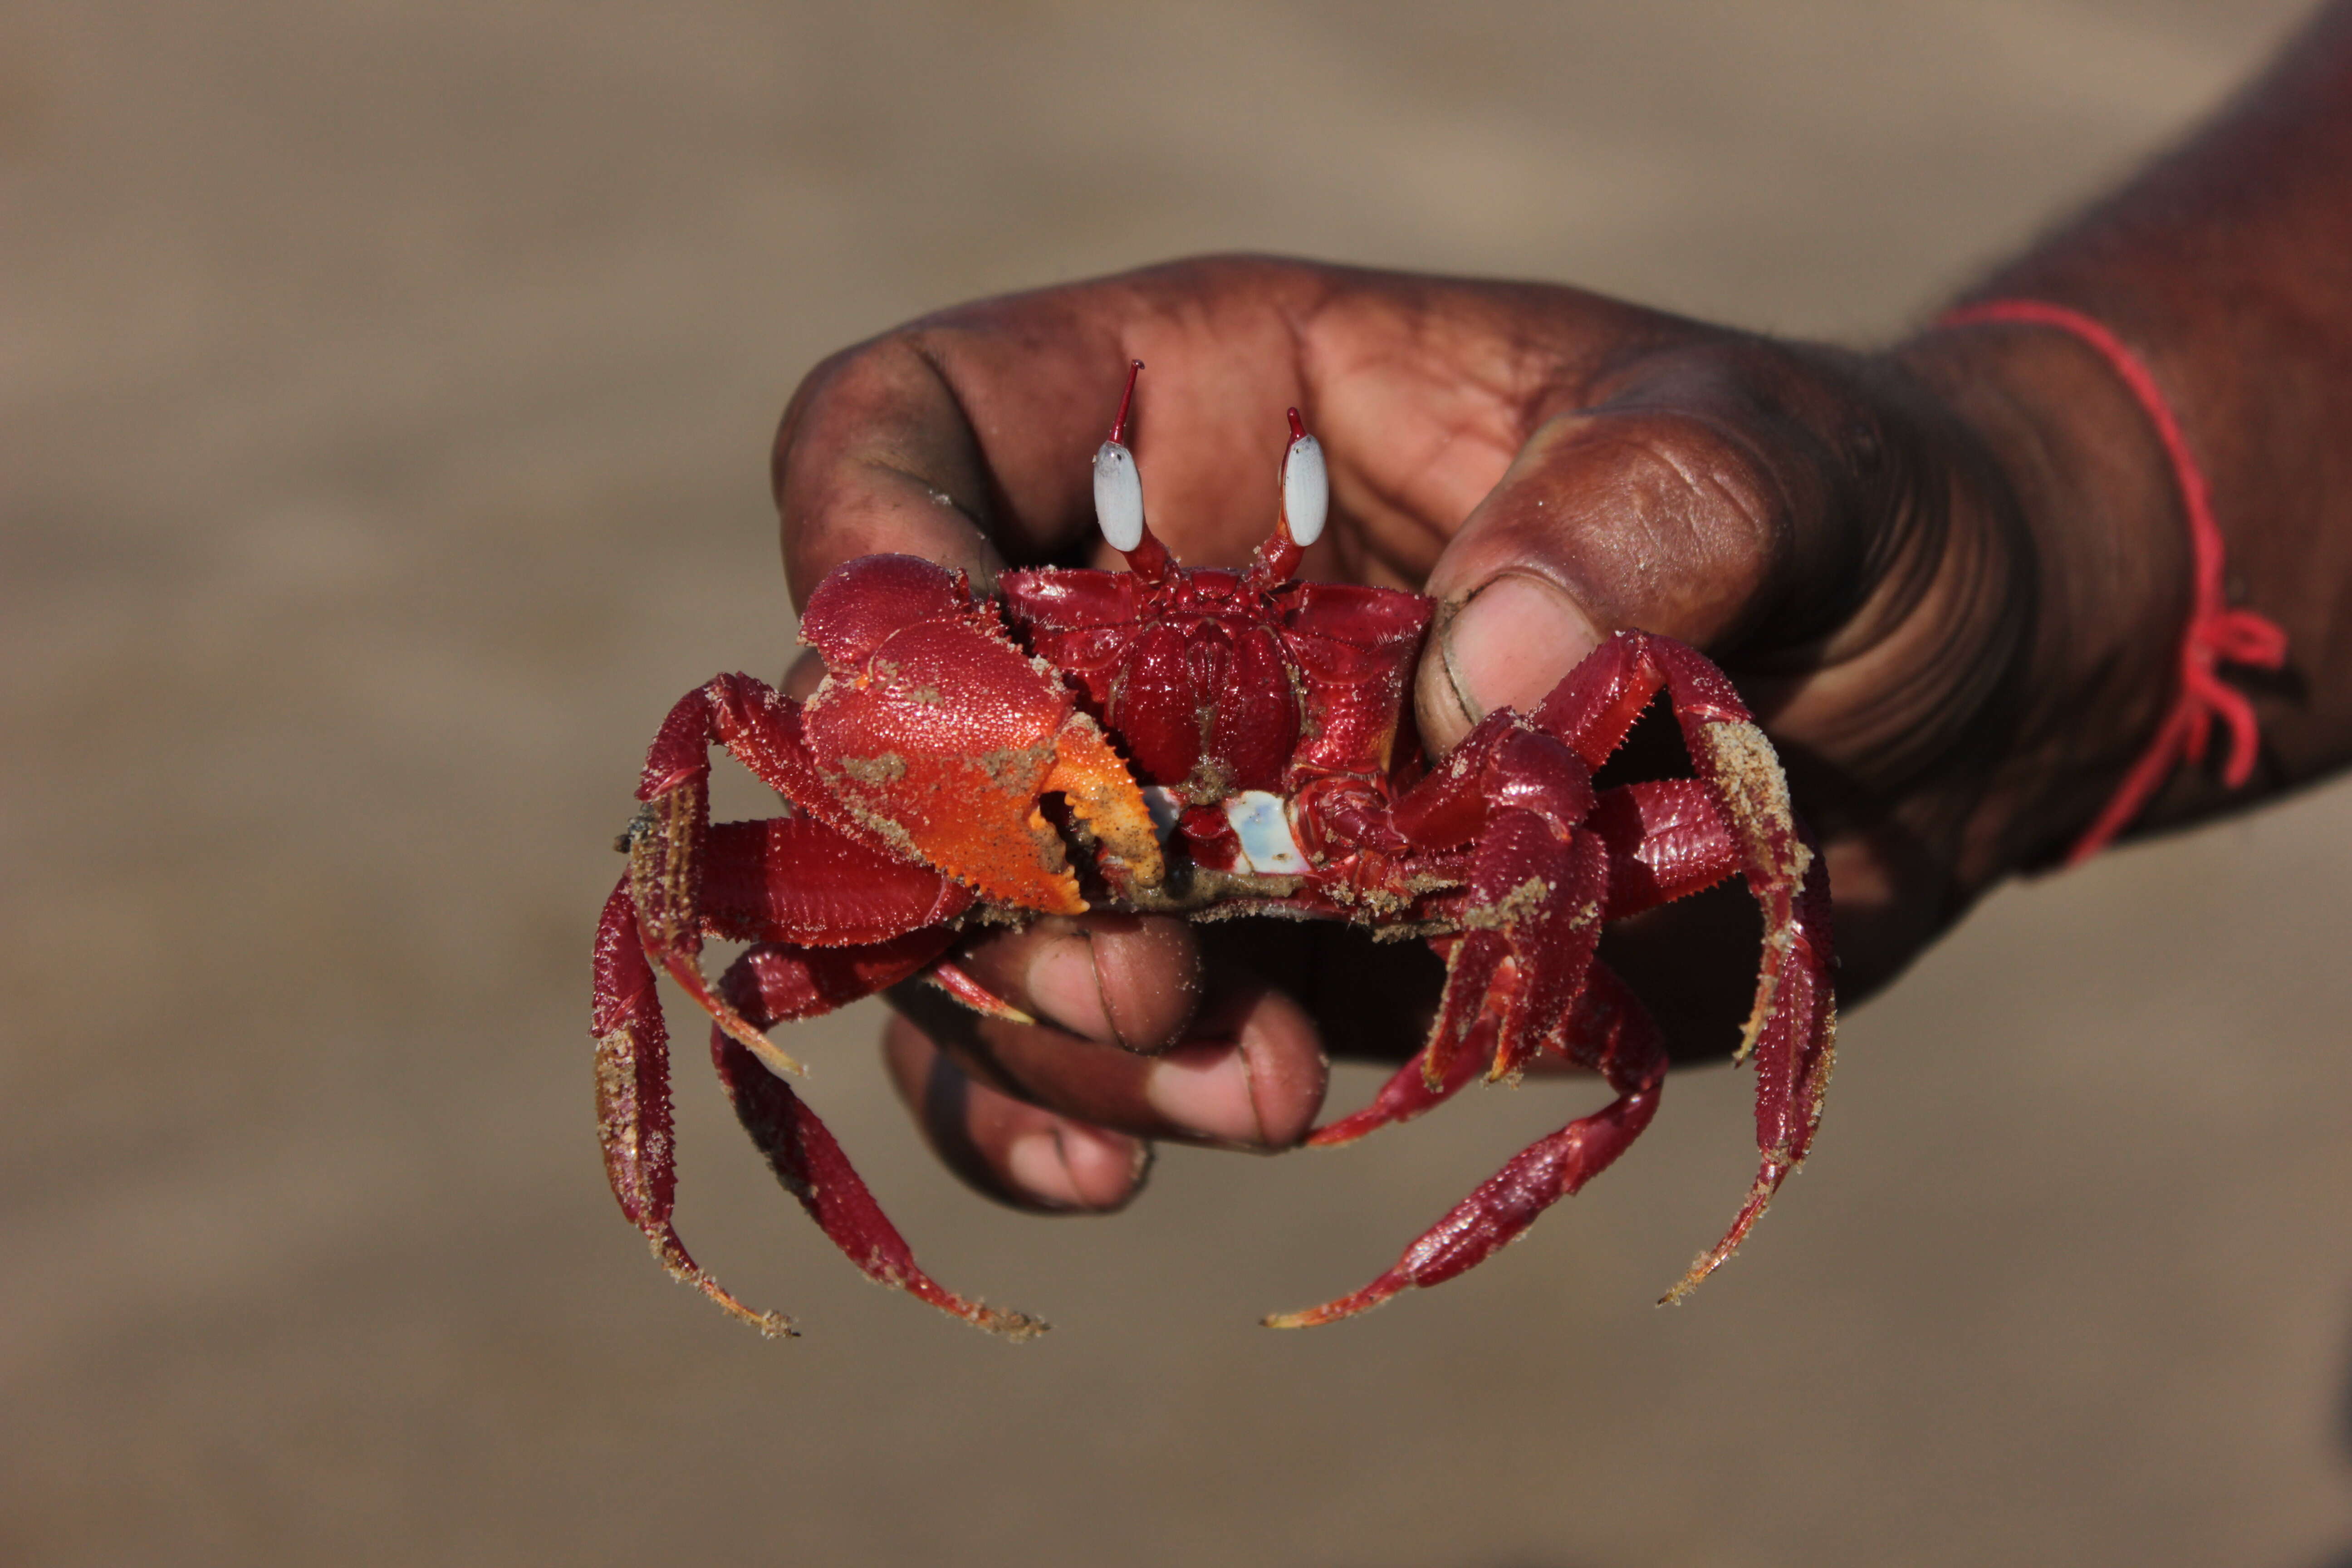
[
  {"x": 1549, "y": 466},
  {"x": 1951, "y": 578}
]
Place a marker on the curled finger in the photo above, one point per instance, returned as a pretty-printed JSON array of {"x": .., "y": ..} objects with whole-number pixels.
[{"x": 1019, "y": 1153}]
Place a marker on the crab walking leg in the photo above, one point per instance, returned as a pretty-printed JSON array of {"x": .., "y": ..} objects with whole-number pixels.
[
  {"x": 1537, "y": 889},
  {"x": 1667, "y": 840},
  {"x": 669, "y": 843},
  {"x": 1540, "y": 894},
  {"x": 809, "y": 981},
  {"x": 815, "y": 878},
  {"x": 1792, "y": 1023},
  {"x": 758, "y": 728},
  {"x": 1624, "y": 1045},
  {"x": 796, "y": 880},
  {"x": 1794, "y": 1053},
  {"x": 632, "y": 1051},
  {"x": 793, "y": 879},
  {"x": 632, "y": 1115},
  {"x": 810, "y": 1164},
  {"x": 1409, "y": 1092},
  {"x": 959, "y": 983}
]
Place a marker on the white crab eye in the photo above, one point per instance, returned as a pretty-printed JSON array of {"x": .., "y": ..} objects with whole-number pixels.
[
  {"x": 1305, "y": 490},
  {"x": 1119, "y": 496}
]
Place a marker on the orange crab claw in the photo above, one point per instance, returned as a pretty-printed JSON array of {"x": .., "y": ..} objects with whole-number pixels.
[{"x": 959, "y": 782}]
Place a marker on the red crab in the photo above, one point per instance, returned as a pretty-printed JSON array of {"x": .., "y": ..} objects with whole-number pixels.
[{"x": 1204, "y": 739}]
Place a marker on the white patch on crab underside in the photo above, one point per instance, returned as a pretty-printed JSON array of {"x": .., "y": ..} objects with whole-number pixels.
[{"x": 1263, "y": 825}]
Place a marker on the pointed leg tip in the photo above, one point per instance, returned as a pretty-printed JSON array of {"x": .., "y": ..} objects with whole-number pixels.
[
  {"x": 1760, "y": 1198},
  {"x": 958, "y": 982},
  {"x": 767, "y": 1325},
  {"x": 1013, "y": 1328},
  {"x": 772, "y": 1057},
  {"x": 1003, "y": 1321},
  {"x": 1313, "y": 1317},
  {"x": 1705, "y": 1265},
  {"x": 1363, "y": 1300}
]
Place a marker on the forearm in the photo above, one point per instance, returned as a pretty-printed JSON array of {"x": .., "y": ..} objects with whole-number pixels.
[{"x": 2228, "y": 268}]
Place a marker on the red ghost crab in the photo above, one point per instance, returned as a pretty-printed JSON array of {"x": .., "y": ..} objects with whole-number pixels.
[{"x": 1206, "y": 741}]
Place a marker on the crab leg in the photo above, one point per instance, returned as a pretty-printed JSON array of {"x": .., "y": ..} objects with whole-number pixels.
[
  {"x": 633, "y": 1116},
  {"x": 1409, "y": 1091},
  {"x": 1794, "y": 1050},
  {"x": 758, "y": 728},
  {"x": 764, "y": 985},
  {"x": 669, "y": 843},
  {"x": 1539, "y": 902},
  {"x": 1537, "y": 892},
  {"x": 793, "y": 879},
  {"x": 1535, "y": 895},
  {"x": 1591, "y": 1034},
  {"x": 1791, "y": 1026},
  {"x": 1618, "y": 1038},
  {"x": 1666, "y": 841}
]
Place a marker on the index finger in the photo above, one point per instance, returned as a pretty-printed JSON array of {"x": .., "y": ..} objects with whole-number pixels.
[
  {"x": 966, "y": 437},
  {"x": 962, "y": 439},
  {"x": 876, "y": 455}
]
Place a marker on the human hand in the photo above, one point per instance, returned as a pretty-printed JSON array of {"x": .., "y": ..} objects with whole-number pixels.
[{"x": 1550, "y": 466}]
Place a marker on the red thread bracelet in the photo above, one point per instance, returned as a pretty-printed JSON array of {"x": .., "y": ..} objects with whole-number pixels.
[{"x": 2215, "y": 632}]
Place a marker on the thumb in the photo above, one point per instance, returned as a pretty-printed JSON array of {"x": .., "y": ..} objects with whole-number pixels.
[{"x": 1693, "y": 507}]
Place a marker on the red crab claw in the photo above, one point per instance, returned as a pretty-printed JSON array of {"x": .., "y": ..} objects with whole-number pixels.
[{"x": 935, "y": 735}]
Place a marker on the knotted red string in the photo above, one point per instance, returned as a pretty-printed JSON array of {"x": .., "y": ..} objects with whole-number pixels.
[{"x": 2215, "y": 633}]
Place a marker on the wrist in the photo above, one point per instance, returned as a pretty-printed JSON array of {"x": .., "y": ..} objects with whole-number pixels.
[{"x": 2070, "y": 455}]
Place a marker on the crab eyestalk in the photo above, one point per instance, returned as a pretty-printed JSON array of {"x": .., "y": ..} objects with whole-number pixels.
[
  {"x": 1119, "y": 496},
  {"x": 1306, "y": 503}
]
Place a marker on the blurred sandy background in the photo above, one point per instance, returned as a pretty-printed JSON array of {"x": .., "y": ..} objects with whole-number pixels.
[{"x": 384, "y": 392}]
